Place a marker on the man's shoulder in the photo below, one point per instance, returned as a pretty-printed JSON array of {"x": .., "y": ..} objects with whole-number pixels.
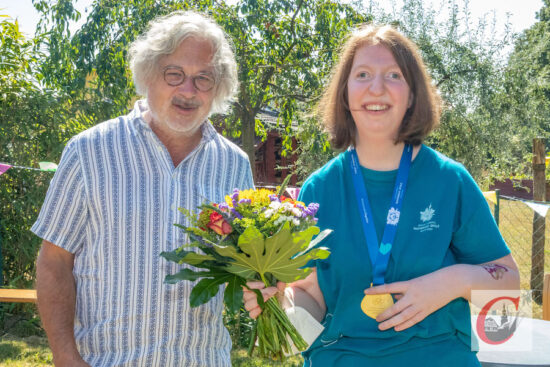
[
  {"x": 104, "y": 130},
  {"x": 227, "y": 146}
]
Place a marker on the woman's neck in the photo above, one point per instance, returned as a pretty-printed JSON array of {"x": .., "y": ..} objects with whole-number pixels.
[{"x": 381, "y": 155}]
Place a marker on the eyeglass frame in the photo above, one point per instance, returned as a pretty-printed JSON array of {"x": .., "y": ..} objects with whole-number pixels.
[{"x": 193, "y": 78}]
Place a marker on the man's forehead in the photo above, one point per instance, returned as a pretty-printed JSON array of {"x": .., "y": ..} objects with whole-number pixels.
[{"x": 192, "y": 52}]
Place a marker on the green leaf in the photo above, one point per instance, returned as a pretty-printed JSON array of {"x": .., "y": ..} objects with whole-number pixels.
[
  {"x": 192, "y": 258},
  {"x": 175, "y": 256},
  {"x": 184, "y": 274},
  {"x": 233, "y": 295},
  {"x": 276, "y": 255},
  {"x": 204, "y": 290}
]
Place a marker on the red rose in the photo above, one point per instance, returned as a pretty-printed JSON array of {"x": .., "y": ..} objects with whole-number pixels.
[{"x": 218, "y": 224}]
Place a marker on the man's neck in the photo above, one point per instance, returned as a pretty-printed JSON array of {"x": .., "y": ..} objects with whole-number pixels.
[{"x": 179, "y": 146}]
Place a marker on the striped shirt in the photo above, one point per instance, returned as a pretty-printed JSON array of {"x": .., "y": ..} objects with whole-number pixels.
[{"x": 113, "y": 203}]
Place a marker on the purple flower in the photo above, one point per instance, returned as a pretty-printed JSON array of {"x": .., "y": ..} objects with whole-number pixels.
[
  {"x": 312, "y": 209},
  {"x": 273, "y": 197},
  {"x": 223, "y": 206},
  {"x": 245, "y": 201},
  {"x": 236, "y": 213}
]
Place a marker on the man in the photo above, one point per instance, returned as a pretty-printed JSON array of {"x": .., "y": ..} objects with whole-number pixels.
[{"x": 111, "y": 208}]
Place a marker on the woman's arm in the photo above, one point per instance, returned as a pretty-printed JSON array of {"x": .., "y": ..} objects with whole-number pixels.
[{"x": 419, "y": 297}]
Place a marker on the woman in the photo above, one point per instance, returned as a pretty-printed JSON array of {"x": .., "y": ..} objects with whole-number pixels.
[{"x": 406, "y": 219}]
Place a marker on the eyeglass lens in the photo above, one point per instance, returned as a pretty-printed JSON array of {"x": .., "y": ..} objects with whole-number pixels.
[{"x": 175, "y": 76}]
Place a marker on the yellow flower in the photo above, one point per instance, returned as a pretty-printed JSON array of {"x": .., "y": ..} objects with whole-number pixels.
[{"x": 256, "y": 197}]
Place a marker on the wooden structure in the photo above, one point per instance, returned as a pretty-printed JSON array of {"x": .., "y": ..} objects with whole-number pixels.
[
  {"x": 18, "y": 295},
  {"x": 539, "y": 222},
  {"x": 271, "y": 166},
  {"x": 546, "y": 298}
]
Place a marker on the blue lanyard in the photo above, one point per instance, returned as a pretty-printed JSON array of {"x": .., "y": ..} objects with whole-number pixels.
[{"x": 380, "y": 255}]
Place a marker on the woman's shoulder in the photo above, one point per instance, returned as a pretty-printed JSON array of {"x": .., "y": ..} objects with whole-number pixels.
[
  {"x": 330, "y": 170},
  {"x": 328, "y": 177},
  {"x": 442, "y": 163}
]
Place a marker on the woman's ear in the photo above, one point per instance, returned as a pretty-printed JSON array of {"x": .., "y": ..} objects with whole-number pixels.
[{"x": 411, "y": 100}]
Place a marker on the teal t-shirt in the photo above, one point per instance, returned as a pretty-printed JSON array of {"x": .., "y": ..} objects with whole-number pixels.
[{"x": 444, "y": 220}]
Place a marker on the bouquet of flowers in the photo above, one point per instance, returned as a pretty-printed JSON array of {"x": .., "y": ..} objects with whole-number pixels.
[{"x": 253, "y": 235}]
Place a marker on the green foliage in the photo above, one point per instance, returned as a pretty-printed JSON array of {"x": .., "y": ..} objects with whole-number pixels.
[
  {"x": 526, "y": 95},
  {"x": 284, "y": 51},
  {"x": 36, "y": 123}
]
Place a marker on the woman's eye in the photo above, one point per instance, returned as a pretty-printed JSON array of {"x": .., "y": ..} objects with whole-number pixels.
[
  {"x": 394, "y": 75},
  {"x": 362, "y": 75}
]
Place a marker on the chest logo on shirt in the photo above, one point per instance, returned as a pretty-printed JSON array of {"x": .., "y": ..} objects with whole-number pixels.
[{"x": 426, "y": 220}]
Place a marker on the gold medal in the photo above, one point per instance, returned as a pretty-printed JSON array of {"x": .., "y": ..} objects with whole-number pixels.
[{"x": 374, "y": 304}]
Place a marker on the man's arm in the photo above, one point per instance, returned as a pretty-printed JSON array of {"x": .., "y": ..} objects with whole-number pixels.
[{"x": 56, "y": 292}]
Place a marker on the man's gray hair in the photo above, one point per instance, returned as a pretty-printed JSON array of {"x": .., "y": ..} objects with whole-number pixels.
[{"x": 166, "y": 33}]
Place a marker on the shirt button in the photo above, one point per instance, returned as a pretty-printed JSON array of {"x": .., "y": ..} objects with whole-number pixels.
[
  {"x": 159, "y": 148},
  {"x": 173, "y": 206}
]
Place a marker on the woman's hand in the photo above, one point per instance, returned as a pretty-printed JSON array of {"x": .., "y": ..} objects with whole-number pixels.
[
  {"x": 250, "y": 300},
  {"x": 416, "y": 298},
  {"x": 419, "y": 297}
]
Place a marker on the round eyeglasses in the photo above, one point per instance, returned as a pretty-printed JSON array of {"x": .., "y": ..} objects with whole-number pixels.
[{"x": 175, "y": 76}]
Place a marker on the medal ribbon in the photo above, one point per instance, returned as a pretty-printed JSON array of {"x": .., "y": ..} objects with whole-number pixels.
[{"x": 380, "y": 254}]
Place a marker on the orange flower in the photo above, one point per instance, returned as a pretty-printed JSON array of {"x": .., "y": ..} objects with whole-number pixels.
[{"x": 218, "y": 224}]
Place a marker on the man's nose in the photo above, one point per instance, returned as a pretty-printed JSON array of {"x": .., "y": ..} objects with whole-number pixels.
[{"x": 187, "y": 88}]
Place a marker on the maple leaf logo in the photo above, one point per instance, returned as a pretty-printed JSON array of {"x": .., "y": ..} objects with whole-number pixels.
[{"x": 427, "y": 214}]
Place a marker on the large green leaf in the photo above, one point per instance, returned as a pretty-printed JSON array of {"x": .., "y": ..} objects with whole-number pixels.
[
  {"x": 276, "y": 255},
  {"x": 208, "y": 287}
]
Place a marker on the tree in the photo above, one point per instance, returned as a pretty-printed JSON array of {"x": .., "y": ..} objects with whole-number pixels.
[
  {"x": 527, "y": 82},
  {"x": 34, "y": 128}
]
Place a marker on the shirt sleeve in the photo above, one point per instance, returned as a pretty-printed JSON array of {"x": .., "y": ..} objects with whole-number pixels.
[
  {"x": 62, "y": 218},
  {"x": 247, "y": 181},
  {"x": 476, "y": 238}
]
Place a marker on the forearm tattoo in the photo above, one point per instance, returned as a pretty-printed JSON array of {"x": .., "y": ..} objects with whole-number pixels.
[{"x": 496, "y": 271}]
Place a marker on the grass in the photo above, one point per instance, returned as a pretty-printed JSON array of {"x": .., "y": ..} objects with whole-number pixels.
[{"x": 33, "y": 351}]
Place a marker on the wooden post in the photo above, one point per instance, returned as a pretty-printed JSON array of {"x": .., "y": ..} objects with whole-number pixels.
[
  {"x": 539, "y": 222},
  {"x": 497, "y": 206}
]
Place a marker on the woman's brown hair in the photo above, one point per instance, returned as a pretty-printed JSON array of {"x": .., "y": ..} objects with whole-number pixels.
[{"x": 421, "y": 117}]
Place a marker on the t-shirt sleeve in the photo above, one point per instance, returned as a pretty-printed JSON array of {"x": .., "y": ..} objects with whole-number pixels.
[
  {"x": 63, "y": 215},
  {"x": 476, "y": 237}
]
